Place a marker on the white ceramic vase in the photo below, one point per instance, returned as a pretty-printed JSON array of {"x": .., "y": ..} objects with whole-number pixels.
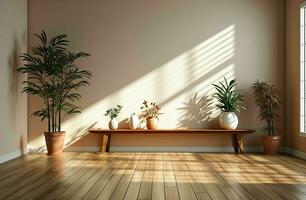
[
  {"x": 113, "y": 124},
  {"x": 228, "y": 120},
  {"x": 134, "y": 121}
]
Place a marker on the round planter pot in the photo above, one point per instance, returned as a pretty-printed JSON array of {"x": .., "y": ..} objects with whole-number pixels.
[
  {"x": 228, "y": 120},
  {"x": 54, "y": 142},
  {"x": 152, "y": 123},
  {"x": 113, "y": 124},
  {"x": 271, "y": 144},
  {"x": 134, "y": 121}
]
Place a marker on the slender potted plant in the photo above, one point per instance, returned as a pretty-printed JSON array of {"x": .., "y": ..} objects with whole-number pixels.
[
  {"x": 113, "y": 113},
  {"x": 229, "y": 102},
  {"x": 268, "y": 101},
  {"x": 151, "y": 112},
  {"x": 55, "y": 78}
]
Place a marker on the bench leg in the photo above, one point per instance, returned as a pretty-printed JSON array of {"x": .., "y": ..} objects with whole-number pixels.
[
  {"x": 105, "y": 143},
  {"x": 237, "y": 143}
]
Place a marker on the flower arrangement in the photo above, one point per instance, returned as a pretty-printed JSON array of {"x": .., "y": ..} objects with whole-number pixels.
[
  {"x": 114, "y": 111},
  {"x": 150, "y": 110}
]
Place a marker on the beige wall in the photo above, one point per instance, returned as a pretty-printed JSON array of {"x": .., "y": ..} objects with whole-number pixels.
[
  {"x": 13, "y": 104},
  {"x": 166, "y": 51},
  {"x": 293, "y": 140}
]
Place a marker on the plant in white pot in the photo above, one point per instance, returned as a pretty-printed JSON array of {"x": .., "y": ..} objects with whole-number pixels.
[
  {"x": 229, "y": 101},
  {"x": 55, "y": 78},
  {"x": 268, "y": 101},
  {"x": 113, "y": 114}
]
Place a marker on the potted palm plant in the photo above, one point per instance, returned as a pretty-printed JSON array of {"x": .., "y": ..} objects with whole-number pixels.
[
  {"x": 55, "y": 78},
  {"x": 229, "y": 102},
  {"x": 268, "y": 101}
]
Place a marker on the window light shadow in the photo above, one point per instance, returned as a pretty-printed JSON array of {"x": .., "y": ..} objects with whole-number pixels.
[{"x": 170, "y": 85}]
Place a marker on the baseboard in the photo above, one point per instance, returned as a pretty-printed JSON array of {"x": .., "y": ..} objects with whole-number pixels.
[
  {"x": 295, "y": 153},
  {"x": 37, "y": 149},
  {"x": 164, "y": 149},
  {"x": 225, "y": 149},
  {"x": 83, "y": 149},
  {"x": 10, "y": 156}
]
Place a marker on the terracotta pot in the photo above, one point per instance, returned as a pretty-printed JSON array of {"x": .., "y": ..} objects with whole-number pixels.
[
  {"x": 54, "y": 142},
  {"x": 152, "y": 123},
  {"x": 271, "y": 144}
]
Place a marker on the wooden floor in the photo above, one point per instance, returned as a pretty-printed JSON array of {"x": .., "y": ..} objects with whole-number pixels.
[{"x": 153, "y": 176}]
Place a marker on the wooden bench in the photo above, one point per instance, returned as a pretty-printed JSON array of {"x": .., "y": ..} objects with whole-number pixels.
[{"x": 235, "y": 134}]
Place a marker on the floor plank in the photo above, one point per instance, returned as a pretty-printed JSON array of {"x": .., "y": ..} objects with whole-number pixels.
[
  {"x": 171, "y": 189},
  {"x": 122, "y": 186},
  {"x": 182, "y": 179},
  {"x": 190, "y": 166},
  {"x": 158, "y": 187},
  {"x": 145, "y": 191},
  {"x": 48, "y": 169},
  {"x": 134, "y": 185},
  {"x": 158, "y": 176},
  {"x": 116, "y": 177},
  {"x": 104, "y": 179}
]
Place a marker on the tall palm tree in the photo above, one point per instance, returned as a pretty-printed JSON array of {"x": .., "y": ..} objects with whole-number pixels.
[{"x": 55, "y": 78}]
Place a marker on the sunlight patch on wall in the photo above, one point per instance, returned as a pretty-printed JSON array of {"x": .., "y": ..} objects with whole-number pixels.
[{"x": 170, "y": 85}]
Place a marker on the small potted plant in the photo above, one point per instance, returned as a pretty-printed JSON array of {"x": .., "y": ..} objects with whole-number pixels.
[
  {"x": 229, "y": 102},
  {"x": 268, "y": 101},
  {"x": 151, "y": 112},
  {"x": 54, "y": 76},
  {"x": 113, "y": 113}
]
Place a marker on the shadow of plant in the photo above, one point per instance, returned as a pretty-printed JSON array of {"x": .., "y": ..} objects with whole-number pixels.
[
  {"x": 198, "y": 112},
  {"x": 41, "y": 149},
  {"x": 79, "y": 133},
  {"x": 124, "y": 124}
]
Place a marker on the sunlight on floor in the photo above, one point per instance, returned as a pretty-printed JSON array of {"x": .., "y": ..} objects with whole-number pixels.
[{"x": 183, "y": 168}]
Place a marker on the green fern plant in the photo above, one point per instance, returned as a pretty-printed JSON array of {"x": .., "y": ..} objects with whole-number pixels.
[
  {"x": 229, "y": 99},
  {"x": 55, "y": 78},
  {"x": 268, "y": 101},
  {"x": 114, "y": 111}
]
